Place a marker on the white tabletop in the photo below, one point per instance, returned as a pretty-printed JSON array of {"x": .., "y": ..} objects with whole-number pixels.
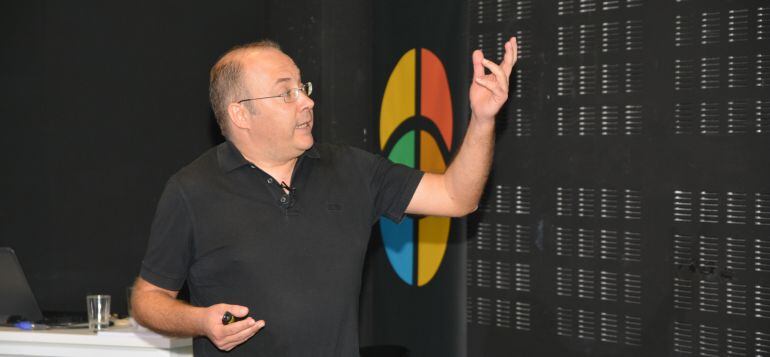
[{"x": 113, "y": 341}]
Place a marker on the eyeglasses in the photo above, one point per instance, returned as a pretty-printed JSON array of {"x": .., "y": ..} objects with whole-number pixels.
[{"x": 288, "y": 96}]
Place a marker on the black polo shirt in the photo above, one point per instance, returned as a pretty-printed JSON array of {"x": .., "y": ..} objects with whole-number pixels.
[{"x": 229, "y": 230}]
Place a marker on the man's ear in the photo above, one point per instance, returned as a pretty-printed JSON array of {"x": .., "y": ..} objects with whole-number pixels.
[{"x": 239, "y": 115}]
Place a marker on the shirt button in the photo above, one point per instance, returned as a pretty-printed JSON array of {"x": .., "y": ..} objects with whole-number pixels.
[
  {"x": 252, "y": 166},
  {"x": 283, "y": 199},
  {"x": 270, "y": 180}
]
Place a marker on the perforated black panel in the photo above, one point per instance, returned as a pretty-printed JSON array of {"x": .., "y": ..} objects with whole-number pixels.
[{"x": 628, "y": 212}]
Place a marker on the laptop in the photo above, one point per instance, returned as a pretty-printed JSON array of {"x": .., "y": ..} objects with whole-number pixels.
[
  {"x": 18, "y": 303},
  {"x": 16, "y": 298}
]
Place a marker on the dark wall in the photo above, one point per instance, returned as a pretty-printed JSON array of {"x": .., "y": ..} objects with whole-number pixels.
[
  {"x": 627, "y": 214},
  {"x": 102, "y": 102}
]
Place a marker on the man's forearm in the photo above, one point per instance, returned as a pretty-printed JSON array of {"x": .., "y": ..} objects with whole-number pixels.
[
  {"x": 457, "y": 192},
  {"x": 466, "y": 175},
  {"x": 159, "y": 310},
  {"x": 167, "y": 315}
]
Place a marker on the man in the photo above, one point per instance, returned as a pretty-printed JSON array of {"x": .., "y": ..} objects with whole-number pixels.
[{"x": 272, "y": 228}]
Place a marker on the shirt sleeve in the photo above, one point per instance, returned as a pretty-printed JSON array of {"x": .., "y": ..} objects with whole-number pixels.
[
  {"x": 391, "y": 185},
  {"x": 169, "y": 249}
]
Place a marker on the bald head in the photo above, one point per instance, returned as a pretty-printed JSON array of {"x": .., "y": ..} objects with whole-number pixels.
[{"x": 226, "y": 83}]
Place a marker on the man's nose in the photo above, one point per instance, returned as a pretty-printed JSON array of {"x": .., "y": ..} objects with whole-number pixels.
[{"x": 304, "y": 101}]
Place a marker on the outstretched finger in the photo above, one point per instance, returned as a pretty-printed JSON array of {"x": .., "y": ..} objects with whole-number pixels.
[
  {"x": 478, "y": 67},
  {"x": 511, "y": 56}
]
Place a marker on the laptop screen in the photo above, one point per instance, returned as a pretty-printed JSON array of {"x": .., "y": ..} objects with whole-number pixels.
[{"x": 16, "y": 297}]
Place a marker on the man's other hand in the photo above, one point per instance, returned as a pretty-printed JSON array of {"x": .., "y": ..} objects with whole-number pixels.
[{"x": 226, "y": 337}]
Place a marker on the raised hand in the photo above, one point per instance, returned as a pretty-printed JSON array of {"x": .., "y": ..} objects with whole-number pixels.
[{"x": 489, "y": 92}]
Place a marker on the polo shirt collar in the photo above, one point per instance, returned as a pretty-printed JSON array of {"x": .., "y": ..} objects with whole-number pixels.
[{"x": 230, "y": 158}]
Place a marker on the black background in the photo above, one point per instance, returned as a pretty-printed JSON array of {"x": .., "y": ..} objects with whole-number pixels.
[{"x": 102, "y": 102}]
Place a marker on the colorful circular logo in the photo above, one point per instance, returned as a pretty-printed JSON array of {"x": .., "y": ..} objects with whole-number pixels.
[{"x": 416, "y": 131}]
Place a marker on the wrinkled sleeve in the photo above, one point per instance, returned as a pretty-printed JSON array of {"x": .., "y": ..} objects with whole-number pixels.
[
  {"x": 391, "y": 185},
  {"x": 169, "y": 249}
]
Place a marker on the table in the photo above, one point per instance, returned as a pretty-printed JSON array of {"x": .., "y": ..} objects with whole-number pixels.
[{"x": 114, "y": 341}]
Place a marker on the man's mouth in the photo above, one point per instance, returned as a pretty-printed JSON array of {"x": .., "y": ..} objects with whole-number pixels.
[{"x": 303, "y": 125}]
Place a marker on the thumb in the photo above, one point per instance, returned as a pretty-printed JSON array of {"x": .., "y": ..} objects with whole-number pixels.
[{"x": 478, "y": 67}]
